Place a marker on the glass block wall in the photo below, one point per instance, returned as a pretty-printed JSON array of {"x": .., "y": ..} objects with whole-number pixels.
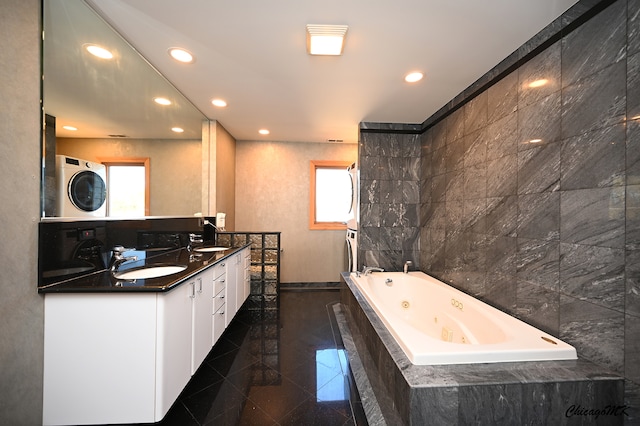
[{"x": 265, "y": 265}]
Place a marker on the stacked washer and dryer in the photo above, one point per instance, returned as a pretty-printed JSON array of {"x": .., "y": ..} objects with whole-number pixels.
[
  {"x": 352, "y": 222},
  {"x": 80, "y": 187}
]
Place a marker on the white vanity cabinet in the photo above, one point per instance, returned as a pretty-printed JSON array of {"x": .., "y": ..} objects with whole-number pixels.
[{"x": 124, "y": 358}]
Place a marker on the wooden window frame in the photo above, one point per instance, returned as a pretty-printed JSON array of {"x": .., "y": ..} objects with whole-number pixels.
[
  {"x": 134, "y": 161},
  {"x": 322, "y": 164}
]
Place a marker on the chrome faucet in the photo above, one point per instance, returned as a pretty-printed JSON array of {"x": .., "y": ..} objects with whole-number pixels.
[
  {"x": 407, "y": 265},
  {"x": 369, "y": 269},
  {"x": 118, "y": 258}
]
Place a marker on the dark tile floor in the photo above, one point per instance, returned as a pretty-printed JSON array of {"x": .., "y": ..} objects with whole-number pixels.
[{"x": 285, "y": 367}]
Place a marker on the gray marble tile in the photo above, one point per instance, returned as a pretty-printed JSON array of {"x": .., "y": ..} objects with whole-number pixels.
[
  {"x": 369, "y": 191},
  {"x": 453, "y": 216},
  {"x": 438, "y": 161},
  {"x": 411, "y": 192},
  {"x": 369, "y": 238},
  {"x": 395, "y": 167},
  {"x": 596, "y": 332},
  {"x": 410, "y": 168},
  {"x": 475, "y": 147},
  {"x": 594, "y": 159},
  {"x": 500, "y": 292},
  {"x": 632, "y": 273},
  {"x": 502, "y": 216},
  {"x": 595, "y": 102},
  {"x": 369, "y": 166},
  {"x": 390, "y": 145},
  {"x": 475, "y": 113},
  {"x": 633, "y": 26},
  {"x": 633, "y": 152},
  {"x": 538, "y": 263},
  {"x": 502, "y": 98},
  {"x": 455, "y": 126},
  {"x": 434, "y": 406},
  {"x": 490, "y": 404},
  {"x": 390, "y": 238},
  {"x": 392, "y": 214},
  {"x": 502, "y": 176},
  {"x": 438, "y": 135},
  {"x": 474, "y": 215},
  {"x": 502, "y": 136},
  {"x": 455, "y": 154},
  {"x": 632, "y": 402},
  {"x": 593, "y": 216},
  {"x": 455, "y": 185},
  {"x": 543, "y": 69},
  {"x": 595, "y": 45},
  {"x": 501, "y": 256},
  {"x": 633, "y": 86},
  {"x": 539, "y": 216},
  {"x": 438, "y": 188},
  {"x": 541, "y": 121},
  {"x": 594, "y": 274},
  {"x": 538, "y": 306},
  {"x": 391, "y": 191},
  {"x": 410, "y": 145},
  {"x": 475, "y": 181},
  {"x": 542, "y": 405},
  {"x": 539, "y": 169},
  {"x": 632, "y": 348},
  {"x": 370, "y": 215},
  {"x": 632, "y": 234}
]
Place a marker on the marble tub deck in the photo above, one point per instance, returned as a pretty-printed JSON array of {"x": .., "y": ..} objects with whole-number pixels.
[{"x": 394, "y": 391}]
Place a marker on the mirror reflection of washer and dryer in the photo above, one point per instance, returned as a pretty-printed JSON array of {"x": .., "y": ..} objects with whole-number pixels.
[
  {"x": 81, "y": 187},
  {"x": 352, "y": 222}
]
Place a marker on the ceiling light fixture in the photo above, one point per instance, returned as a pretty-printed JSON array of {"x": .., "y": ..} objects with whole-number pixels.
[
  {"x": 263, "y": 131},
  {"x": 413, "y": 77},
  {"x": 326, "y": 39},
  {"x": 98, "y": 51},
  {"x": 219, "y": 103},
  {"x": 177, "y": 129},
  {"x": 162, "y": 101},
  {"x": 181, "y": 55},
  {"x": 71, "y": 128}
]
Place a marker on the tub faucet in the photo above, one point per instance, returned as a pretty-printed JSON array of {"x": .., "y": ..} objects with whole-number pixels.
[
  {"x": 118, "y": 258},
  {"x": 407, "y": 265},
  {"x": 369, "y": 269}
]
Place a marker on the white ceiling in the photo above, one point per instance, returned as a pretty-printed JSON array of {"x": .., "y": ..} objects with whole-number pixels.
[{"x": 252, "y": 53}]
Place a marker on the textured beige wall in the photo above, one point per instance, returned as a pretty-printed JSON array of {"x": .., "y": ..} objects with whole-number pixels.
[
  {"x": 226, "y": 176},
  {"x": 175, "y": 167},
  {"x": 272, "y": 194},
  {"x": 21, "y": 307}
]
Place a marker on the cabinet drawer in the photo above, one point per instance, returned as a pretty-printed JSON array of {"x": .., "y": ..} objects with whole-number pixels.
[
  {"x": 219, "y": 284},
  {"x": 219, "y": 269},
  {"x": 218, "y": 301},
  {"x": 218, "y": 323}
]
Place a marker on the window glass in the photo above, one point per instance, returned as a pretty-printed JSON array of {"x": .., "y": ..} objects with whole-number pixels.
[
  {"x": 126, "y": 190},
  {"x": 331, "y": 193}
]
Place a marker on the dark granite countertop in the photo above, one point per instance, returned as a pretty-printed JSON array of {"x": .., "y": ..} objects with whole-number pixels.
[{"x": 104, "y": 282}]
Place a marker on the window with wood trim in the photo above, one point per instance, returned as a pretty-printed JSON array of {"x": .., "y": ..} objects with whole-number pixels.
[
  {"x": 127, "y": 186},
  {"x": 330, "y": 194}
]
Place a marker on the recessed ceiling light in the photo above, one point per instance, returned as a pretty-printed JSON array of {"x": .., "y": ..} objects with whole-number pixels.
[
  {"x": 263, "y": 131},
  {"x": 535, "y": 141},
  {"x": 162, "y": 101},
  {"x": 98, "y": 51},
  {"x": 71, "y": 128},
  {"x": 219, "y": 103},
  {"x": 413, "y": 77},
  {"x": 326, "y": 39},
  {"x": 538, "y": 83},
  {"x": 181, "y": 55},
  {"x": 177, "y": 129}
]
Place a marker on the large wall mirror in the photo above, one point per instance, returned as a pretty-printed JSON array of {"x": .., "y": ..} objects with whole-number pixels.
[{"x": 110, "y": 104}]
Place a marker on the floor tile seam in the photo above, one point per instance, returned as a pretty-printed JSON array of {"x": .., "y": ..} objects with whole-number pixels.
[{"x": 181, "y": 402}]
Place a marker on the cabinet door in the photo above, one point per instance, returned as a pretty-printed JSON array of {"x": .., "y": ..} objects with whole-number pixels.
[
  {"x": 174, "y": 345},
  {"x": 230, "y": 290},
  {"x": 247, "y": 272},
  {"x": 201, "y": 325},
  {"x": 238, "y": 264}
]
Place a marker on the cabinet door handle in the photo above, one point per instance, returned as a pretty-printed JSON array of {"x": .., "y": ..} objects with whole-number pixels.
[
  {"x": 221, "y": 312},
  {"x": 193, "y": 291},
  {"x": 222, "y": 281},
  {"x": 199, "y": 285},
  {"x": 222, "y": 297}
]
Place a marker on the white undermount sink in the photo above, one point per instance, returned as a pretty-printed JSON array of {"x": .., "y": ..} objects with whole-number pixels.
[
  {"x": 146, "y": 272},
  {"x": 209, "y": 249}
]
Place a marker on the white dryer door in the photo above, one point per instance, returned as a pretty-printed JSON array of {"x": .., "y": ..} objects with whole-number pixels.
[{"x": 87, "y": 191}]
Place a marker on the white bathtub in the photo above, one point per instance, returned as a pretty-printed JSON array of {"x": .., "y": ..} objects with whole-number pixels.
[{"x": 435, "y": 323}]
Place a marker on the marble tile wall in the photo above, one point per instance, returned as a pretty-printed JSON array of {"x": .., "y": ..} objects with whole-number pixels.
[
  {"x": 529, "y": 197},
  {"x": 389, "y": 196}
]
